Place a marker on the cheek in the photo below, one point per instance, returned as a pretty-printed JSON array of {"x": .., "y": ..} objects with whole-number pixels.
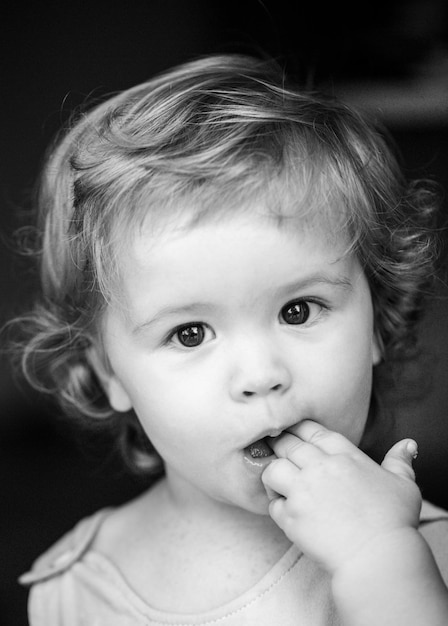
[
  {"x": 346, "y": 410},
  {"x": 173, "y": 404},
  {"x": 343, "y": 390}
]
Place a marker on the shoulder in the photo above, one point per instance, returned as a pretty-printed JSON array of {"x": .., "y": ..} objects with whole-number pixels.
[
  {"x": 110, "y": 531},
  {"x": 434, "y": 528},
  {"x": 67, "y": 550}
]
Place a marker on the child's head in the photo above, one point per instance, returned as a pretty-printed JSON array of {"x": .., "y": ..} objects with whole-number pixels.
[{"x": 196, "y": 145}]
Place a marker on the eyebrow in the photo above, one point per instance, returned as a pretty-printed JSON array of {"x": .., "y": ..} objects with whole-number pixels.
[
  {"x": 319, "y": 279},
  {"x": 195, "y": 308},
  {"x": 201, "y": 308}
]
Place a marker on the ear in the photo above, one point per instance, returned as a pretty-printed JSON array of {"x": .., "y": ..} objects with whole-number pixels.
[
  {"x": 377, "y": 348},
  {"x": 112, "y": 386}
]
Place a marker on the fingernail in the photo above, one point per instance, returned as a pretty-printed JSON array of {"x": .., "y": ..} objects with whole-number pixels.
[{"x": 412, "y": 448}]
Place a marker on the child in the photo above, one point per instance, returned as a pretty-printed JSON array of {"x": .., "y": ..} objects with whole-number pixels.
[{"x": 225, "y": 259}]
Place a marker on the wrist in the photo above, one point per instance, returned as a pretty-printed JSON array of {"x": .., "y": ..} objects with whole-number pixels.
[
  {"x": 379, "y": 550},
  {"x": 392, "y": 577}
]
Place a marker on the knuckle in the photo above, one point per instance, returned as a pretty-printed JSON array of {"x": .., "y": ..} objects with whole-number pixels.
[
  {"x": 341, "y": 462},
  {"x": 336, "y": 465},
  {"x": 328, "y": 439},
  {"x": 320, "y": 434},
  {"x": 294, "y": 447}
]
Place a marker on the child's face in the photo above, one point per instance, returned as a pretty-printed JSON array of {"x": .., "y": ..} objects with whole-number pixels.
[{"x": 237, "y": 330}]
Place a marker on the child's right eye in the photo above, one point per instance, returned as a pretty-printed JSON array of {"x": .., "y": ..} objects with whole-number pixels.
[{"x": 190, "y": 335}]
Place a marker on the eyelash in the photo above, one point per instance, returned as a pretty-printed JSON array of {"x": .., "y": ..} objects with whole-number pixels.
[
  {"x": 176, "y": 332},
  {"x": 202, "y": 327},
  {"x": 308, "y": 302}
]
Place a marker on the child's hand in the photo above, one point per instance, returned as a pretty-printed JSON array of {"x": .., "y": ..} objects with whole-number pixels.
[{"x": 333, "y": 498}]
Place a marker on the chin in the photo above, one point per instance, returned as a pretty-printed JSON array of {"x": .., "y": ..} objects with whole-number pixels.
[{"x": 257, "y": 504}]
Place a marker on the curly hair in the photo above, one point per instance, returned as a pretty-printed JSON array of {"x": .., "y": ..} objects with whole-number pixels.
[{"x": 219, "y": 131}]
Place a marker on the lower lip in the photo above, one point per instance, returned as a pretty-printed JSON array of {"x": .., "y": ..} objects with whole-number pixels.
[{"x": 259, "y": 464}]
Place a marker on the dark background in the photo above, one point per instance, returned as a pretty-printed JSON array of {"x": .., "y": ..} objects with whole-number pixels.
[{"x": 389, "y": 57}]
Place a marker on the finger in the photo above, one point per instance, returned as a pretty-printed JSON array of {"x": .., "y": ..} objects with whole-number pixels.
[
  {"x": 281, "y": 476},
  {"x": 276, "y": 510},
  {"x": 296, "y": 450},
  {"x": 271, "y": 494},
  {"x": 327, "y": 440},
  {"x": 399, "y": 458}
]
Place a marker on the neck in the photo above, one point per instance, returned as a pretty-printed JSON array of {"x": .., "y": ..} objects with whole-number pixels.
[
  {"x": 216, "y": 521},
  {"x": 210, "y": 552}
]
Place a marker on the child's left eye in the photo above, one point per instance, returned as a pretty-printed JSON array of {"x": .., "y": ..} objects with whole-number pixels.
[{"x": 297, "y": 312}]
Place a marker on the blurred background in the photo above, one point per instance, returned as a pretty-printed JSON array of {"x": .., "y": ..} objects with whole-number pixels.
[{"x": 389, "y": 58}]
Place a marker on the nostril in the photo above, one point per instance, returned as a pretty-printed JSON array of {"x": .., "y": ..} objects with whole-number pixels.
[{"x": 267, "y": 389}]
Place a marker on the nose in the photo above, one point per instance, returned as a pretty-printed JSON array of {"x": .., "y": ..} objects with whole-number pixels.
[{"x": 259, "y": 372}]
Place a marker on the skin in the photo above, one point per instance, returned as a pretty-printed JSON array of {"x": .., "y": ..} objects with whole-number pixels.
[
  {"x": 254, "y": 374},
  {"x": 282, "y": 343}
]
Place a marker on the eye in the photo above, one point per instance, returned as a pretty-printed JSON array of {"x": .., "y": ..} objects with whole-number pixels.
[
  {"x": 296, "y": 313},
  {"x": 190, "y": 336}
]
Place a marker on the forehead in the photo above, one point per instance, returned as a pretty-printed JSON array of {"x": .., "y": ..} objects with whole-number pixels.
[
  {"x": 318, "y": 217},
  {"x": 327, "y": 226},
  {"x": 215, "y": 253},
  {"x": 231, "y": 266}
]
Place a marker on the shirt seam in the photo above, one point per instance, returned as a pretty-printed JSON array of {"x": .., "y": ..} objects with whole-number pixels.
[{"x": 127, "y": 593}]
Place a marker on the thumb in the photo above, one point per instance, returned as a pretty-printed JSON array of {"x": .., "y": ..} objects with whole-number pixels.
[{"x": 399, "y": 458}]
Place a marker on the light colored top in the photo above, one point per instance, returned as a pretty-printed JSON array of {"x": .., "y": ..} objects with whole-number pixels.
[{"x": 74, "y": 585}]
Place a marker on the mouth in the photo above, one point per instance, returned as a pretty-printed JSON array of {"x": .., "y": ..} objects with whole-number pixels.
[
  {"x": 259, "y": 454},
  {"x": 259, "y": 449}
]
